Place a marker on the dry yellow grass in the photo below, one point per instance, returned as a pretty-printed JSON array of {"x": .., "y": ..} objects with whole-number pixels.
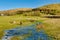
[{"x": 52, "y": 26}]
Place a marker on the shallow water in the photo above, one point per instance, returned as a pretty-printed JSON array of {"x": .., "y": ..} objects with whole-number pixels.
[{"x": 34, "y": 34}]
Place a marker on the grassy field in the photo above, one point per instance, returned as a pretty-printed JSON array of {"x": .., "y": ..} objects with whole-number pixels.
[
  {"x": 51, "y": 26},
  {"x": 5, "y": 22}
]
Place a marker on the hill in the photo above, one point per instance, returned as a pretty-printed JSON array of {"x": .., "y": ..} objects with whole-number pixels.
[
  {"x": 51, "y": 9},
  {"x": 14, "y": 11},
  {"x": 51, "y": 6}
]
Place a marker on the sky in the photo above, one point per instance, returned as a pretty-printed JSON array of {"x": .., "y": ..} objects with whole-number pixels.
[{"x": 12, "y": 4}]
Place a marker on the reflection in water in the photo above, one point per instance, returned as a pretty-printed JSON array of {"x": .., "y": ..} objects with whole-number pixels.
[{"x": 34, "y": 34}]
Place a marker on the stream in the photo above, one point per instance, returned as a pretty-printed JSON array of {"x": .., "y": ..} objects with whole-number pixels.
[{"x": 31, "y": 30}]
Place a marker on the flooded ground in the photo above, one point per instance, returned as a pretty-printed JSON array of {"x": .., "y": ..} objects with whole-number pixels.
[{"x": 31, "y": 32}]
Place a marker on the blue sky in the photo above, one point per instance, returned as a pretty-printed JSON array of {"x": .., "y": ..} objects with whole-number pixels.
[{"x": 12, "y": 4}]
